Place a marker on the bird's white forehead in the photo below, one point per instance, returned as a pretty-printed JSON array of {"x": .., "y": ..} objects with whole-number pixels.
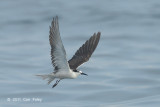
[{"x": 80, "y": 71}]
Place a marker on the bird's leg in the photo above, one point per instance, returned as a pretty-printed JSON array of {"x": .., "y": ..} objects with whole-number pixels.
[{"x": 55, "y": 83}]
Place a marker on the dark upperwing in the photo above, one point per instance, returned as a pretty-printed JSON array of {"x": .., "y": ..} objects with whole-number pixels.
[{"x": 85, "y": 51}]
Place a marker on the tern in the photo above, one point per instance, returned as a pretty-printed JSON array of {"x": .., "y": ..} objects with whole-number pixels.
[{"x": 64, "y": 69}]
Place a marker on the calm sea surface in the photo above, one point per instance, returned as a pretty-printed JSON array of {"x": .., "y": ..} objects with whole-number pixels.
[{"x": 124, "y": 71}]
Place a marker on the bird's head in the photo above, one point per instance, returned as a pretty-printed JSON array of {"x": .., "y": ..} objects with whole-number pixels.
[{"x": 80, "y": 72}]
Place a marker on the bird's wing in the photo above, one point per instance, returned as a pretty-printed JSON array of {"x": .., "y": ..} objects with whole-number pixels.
[
  {"x": 85, "y": 51},
  {"x": 58, "y": 53}
]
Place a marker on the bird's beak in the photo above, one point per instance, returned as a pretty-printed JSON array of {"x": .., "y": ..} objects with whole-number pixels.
[{"x": 84, "y": 74}]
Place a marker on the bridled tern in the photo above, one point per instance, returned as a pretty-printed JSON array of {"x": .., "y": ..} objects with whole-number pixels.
[{"x": 64, "y": 69}]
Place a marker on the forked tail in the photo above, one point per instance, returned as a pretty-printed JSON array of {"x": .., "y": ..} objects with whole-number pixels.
[{"x": 47, "y": 76}]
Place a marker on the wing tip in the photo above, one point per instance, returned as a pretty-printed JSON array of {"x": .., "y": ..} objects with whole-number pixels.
[
  {"x": 99, "y": 34},
  {"x": 55, "y": 17},
  {"x": 54, "y": 21},
  {"x": 96, "y": 35}
]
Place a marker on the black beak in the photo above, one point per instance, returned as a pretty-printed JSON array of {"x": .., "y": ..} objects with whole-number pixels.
[{"x": 84, "y": 74}]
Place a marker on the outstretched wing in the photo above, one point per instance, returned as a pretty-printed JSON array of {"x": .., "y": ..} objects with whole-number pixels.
[
  {"x": 58, "y": 53},
  {"x": 85, "y": 51}
]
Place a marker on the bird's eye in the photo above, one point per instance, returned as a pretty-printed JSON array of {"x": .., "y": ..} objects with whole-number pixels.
[{"x": 75, "y": 70}]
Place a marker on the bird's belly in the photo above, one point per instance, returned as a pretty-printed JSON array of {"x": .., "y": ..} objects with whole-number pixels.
[{"x": 65, "y": 75}]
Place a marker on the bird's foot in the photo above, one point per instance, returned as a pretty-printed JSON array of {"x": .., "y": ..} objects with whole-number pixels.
[{"x": 55, "y": 83}]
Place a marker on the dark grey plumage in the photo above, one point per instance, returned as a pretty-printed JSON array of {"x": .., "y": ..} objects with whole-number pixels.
[{"x": 84, "y": 52}]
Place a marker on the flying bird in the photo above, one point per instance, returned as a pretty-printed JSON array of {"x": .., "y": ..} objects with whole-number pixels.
[{"x": 64, "y": 69}]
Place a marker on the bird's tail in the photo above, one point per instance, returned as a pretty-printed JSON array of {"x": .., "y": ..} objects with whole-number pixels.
[{"x": 50, "y": 77}]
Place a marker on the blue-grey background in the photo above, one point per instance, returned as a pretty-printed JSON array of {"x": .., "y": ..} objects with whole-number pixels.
[{"x": 124, "y": 71}]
